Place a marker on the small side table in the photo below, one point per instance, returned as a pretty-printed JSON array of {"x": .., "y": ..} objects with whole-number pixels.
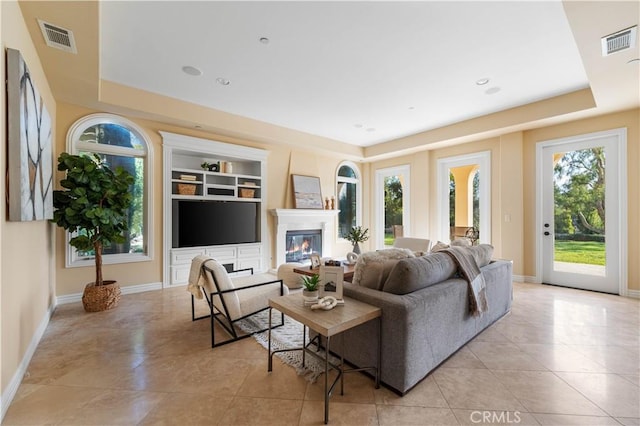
[{"x": 327, "y": 324}]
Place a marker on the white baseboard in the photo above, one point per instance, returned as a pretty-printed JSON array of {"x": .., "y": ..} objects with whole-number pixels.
[
  {"x": 518, "y": 278},
  {"x": 633, "y": 293},
  {"x": 130, "y": 289},
  {"x": 10, "y": 392},
  {"x": 532, "y": 280}
]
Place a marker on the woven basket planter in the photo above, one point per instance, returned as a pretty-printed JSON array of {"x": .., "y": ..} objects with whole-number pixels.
[{"x": 98, "y": 298}]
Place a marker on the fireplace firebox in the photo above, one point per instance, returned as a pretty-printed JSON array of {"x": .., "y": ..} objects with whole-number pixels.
[{"x": 300, "y": 244}]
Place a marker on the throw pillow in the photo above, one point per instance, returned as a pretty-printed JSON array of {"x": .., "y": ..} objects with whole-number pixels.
[
  {"x": 372, "y": 268},
  {"x": 291, "y": 279},
  {"x": 482, "y": 254},
  {"x": 439, "y": 246}
]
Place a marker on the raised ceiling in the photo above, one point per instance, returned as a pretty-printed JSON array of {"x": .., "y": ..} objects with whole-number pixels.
[{"x": 364, "y": 73}]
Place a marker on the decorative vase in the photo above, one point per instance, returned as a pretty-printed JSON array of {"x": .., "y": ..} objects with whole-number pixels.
[
  {"x": 310, "y": 296},
  {"x": 98, "y": 298},
  {"x": 356, "y": 248}
]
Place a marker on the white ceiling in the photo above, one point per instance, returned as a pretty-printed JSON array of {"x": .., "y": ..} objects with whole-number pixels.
[{"x": 356, "y": 72}]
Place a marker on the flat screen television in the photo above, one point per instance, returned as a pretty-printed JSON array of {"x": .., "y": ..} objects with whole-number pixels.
[{"x": 209, "y": 223}]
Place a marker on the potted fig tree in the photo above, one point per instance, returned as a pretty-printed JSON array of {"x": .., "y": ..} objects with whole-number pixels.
[{"x": 93, "y": 207}]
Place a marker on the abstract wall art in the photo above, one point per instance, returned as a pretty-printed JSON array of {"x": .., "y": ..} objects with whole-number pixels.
[{"x": 30, "y": 160}]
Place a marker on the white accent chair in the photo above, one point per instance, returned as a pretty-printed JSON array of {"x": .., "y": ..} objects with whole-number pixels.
[
  {"x": 414, "y": 244},
  {"x": 232, "y": 299}
]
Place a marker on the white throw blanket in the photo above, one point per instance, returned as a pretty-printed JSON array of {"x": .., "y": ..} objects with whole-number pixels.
[{"x": 197, "y": 278}]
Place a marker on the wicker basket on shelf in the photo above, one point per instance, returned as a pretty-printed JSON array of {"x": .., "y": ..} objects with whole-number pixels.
[
  {"x": 247, "y": 193},
  {"x": 186, "y": 189}
]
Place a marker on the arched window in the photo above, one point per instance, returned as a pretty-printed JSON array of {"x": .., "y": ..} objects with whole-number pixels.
[
  {"x": 349, "y": 195},
  {"x": 118, "y": 142}
]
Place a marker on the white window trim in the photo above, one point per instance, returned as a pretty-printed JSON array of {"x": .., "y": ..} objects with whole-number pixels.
[
  {"x": 358, "y": 181},
  {"x": 404, "y": 170},
  {"x": 72, "y": 260},
  {"x": 483, "y": 160}
]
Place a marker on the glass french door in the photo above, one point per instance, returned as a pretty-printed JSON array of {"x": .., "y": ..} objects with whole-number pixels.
[
  {"x": 392, "y": 205},
  {"x": 581, "y": 203}
]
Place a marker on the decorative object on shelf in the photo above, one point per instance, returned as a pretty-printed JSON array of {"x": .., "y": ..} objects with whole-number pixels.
[
  {"x": 30, "y": 158},
  {"x": 327, "y": 205},
  {"x": 212, "y": 167},
  {"x": 222, "y": 167},
  {"x": 310, "y": 290},
  {"x": 229, "y": 168},
  {"x": 188, "y": 177},
  {"x": 306, "y": 192},
  {"x": 93, "y": 207},
  {"x": 356, "y": 236},
  {"x": 333, "y": 203},
  {"x": 331, "y": 262},
  {"x": 186, "y": 189},
  {"x": 247, "y": 193},
  {"x": 331, "y": 281},
  {"x": 315, "y": 260}
]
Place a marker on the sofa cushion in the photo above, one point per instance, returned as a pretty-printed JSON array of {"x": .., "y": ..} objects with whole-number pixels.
[
  {"x": 409, "y": 275},
  {"x": 372, "y": 268}
]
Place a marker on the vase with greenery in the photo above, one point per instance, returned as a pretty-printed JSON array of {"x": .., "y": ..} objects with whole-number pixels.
[
  {"x": 310, "y": 284},
  {"x": 93, "y": 207},
  {"x": 357, "y": 235}
]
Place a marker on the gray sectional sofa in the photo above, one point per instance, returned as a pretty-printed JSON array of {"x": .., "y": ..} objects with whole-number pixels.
[{"x": 425, "y": 316}]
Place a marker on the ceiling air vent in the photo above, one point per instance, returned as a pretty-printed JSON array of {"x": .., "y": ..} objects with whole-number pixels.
[
  {"x": 58, "y": 37},
  {"x": 622, "y": 40}
]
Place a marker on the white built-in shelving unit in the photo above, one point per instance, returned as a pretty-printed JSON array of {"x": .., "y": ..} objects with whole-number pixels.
[{"x": 242, "y": 178}]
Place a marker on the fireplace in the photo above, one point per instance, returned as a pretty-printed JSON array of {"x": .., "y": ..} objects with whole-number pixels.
[
  {"x": 300, "y": 244},
  {"x": 307, "y": 221}
]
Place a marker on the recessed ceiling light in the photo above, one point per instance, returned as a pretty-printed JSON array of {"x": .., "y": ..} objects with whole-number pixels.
[
  {"x": 188, "y": 69},
  {"x": 633, "y": 61},
  {"x": 371, "y": 129},
  {"x": 358, "y": 126},
  {"x": 264, "y": 40},
  {"x": 222, "y": 81},
  {"x": 412, "y": 107},
  {"x": 492, "y": 90},
  {"x": 482, "y": 81}
]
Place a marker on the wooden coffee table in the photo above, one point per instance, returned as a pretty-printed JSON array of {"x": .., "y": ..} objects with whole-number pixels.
[
  {"x": 307, "y": 270},
  {"x": 327, "y": 324}
]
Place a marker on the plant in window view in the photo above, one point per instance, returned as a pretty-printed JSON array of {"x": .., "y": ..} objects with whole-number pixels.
[
  {"x": 357, "y": 235},
  {"x": 93, "y": 206}
]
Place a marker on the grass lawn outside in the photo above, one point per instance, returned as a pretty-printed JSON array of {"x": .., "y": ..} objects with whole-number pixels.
[{"x": 586, "y": 252}]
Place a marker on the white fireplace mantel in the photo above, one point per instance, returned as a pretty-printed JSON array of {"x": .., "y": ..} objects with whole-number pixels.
[{"x": 300, "y": 220}]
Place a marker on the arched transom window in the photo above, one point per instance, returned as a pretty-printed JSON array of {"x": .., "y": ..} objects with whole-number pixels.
[
  {"x": 349, "y": 197},
  {"x": 118, "y": 142}
]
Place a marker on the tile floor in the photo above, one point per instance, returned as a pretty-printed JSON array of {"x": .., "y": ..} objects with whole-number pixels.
[{"x": 561, "y": 357}]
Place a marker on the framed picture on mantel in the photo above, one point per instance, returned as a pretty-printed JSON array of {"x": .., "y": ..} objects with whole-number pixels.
[{"x": 306, "y": 192}]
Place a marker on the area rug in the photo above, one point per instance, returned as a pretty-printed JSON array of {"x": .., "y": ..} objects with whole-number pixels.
[{"x": 285, "y": 337}]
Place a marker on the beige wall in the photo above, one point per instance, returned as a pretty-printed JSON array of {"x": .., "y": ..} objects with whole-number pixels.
[
  {"x": 513, "y": 187},
  {"x": 27, "y": 279},
  {"x": 282, "y": 161}
]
